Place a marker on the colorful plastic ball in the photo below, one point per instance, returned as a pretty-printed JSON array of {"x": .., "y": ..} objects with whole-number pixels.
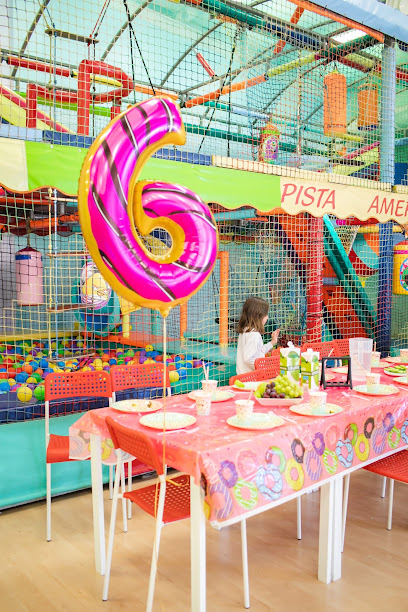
[
  {"x": 21, "y": 377},
  {"x": 149, "y": 347},
  {"x": 149, "y": 353},
  {"x": 112, "y": 362},
  {"x": 80, "y": 344},
  {"x": 174, "y": 376},
  {"x": 142, "y": 352},
  {"x": 4, "y": 386},
  {"x": 61, "y": 364},
  {"x": 106, "y": 368},
  {"x": 127, "y": 359},
  {"x": 39, "y": 392},
  {"x": 43, "y": 363},
  {"x": 26, "y": 367},
  {"x": 105, "y": 357},
  {"x": 170, "y": 359},
  {"x": 53, "y": 345},
  {"x": 182, "y": 372},
  {"x": 149, "y": 360},
  {"x": 142, "y": 359},
  {"x": 91, "y": 367},
  {"x": 179, "y": 364},
  {"x": 189, "y": 364},
  {"x": 121, "y": 361},
  {"x": 30, "y": 380},
  {"x": 159, "y": 358},
  {"x": 37, "y": 376},
  {"x": 11, "y": 382},
  {"x": 178, "y": 358},
  {"x": 86, "y": 369},
  {"x": 24, "y": 394},
  {"x": 130, "y": 353},
  {"x": 119, "y": 328},
  {"x": 47, "y": 371},
  {"x": 197, "y": 363},
  {"x": 171, "y": 367}
]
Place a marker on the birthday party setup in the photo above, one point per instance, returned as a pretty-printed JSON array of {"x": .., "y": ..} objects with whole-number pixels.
[{"x": 161, "y": 163}]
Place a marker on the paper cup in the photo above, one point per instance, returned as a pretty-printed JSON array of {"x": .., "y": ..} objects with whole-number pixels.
[
  {"x": 404, "y": 354},
  {"x": 372, "y": 381},
  {"x": 244, "y": 408},
  {"x": 203, "y": 403},
  {"x": 318, "y": 401},
  {"x": 375, "y": 359},
  {"x": 209, "y": 386}
]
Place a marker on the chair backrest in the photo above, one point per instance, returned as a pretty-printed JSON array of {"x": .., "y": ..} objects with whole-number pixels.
[
  {"x": 272, "y": 362},
  {"x": 60, "y": 385},
  {"x": 323, "y": 348},
  {"x": 138, "y": 376},
  {"x": 255, "y": 375},
  {"x": 135, "y": 443},
  {"x": 341, "y": 347}
]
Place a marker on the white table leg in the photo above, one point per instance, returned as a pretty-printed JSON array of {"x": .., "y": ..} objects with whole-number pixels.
[
  {"x": 198, "y": 553},
  {"x": 330, "y": 530},
  {"x": 97, "y": 504}
]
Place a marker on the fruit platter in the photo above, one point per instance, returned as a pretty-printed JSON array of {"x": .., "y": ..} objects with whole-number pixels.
[
  {"x": 281, "y": 391},
  {"x": 395, "y": 370},
  {"x": 246, "y": 386}
]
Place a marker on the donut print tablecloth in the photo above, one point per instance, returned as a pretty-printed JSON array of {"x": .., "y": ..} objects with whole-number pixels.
[{"x": 243, "y": 470}]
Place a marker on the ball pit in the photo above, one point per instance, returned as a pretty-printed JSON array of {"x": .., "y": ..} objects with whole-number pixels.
[{"x": 25, "y": 365}]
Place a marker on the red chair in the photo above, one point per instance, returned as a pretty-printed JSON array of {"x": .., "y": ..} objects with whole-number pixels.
[
  {"x": 253, "y": 376},
  {"x": 394, "y": 467},
  {"x": 67, "y": 385},
  {"x": 167, "y": 502},
  {"x": 341, "y": 348},
  {"x": 271, "y": 363},
  {"x": 127, "y": 377},
  {"x": 324, "y": 348}
]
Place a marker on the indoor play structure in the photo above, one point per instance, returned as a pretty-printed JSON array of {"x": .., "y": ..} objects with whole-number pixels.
[{"x": 270, "y": 128}]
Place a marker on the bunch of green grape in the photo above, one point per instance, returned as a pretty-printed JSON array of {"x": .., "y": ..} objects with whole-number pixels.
[{"x": 285, "y": 387}]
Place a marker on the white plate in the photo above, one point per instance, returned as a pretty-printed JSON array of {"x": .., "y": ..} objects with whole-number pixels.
[
  {"x": 306, "y": 410},
  {"x": 395, "y": 374},
  {"x": 137, "y": 405},
  {"x": 219, "y": 396},
  {"x": 277, "y": 401},
  {"x": 258, "y": 420},
  {"x": 402, "y": 381},
  {"x": 339, "y": 370},
  {"x": 383, "y": 390},
  {"x": 173, "y": 420},
  {"x": 249, "y": 386}
]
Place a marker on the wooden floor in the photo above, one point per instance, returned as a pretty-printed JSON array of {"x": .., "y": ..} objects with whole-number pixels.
[{"x": 36, "y": 575}]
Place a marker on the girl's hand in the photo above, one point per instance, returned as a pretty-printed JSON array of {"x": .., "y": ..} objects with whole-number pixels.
[{"x": 275, "y": 336}]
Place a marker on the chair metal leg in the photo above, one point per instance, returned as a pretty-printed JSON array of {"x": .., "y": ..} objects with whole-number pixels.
[
  {"x": 111, "y": 535},
  {"x": 124, "y": 509},
  {"x": 299, "y": 518},
  {"x": 110, "y": 481},
  {"x": 48, "y": 497},
  {"x": 156, "y": 546},
  {"x": 129, "y": 489},
  {"x": 390, "y": 503},
  {"x": 384, "y": 486},
  {"x": 345, "y": 504},
  {"x": 245, "y": 563}
]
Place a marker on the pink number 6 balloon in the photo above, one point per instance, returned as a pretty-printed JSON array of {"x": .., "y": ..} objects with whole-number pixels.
[{"x": 115, "y": 209}]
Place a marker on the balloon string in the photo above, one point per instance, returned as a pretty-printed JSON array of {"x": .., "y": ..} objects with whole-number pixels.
[{"x": 164, "y": 390}]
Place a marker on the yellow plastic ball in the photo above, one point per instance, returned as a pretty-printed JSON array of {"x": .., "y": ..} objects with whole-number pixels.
[
  {"x": 30, "y": 379},
  {"x": 149, "y": 347},
  {"x": 12, "y": 382},
  {"x": 174, "y": 376},
  {"x": 24, "y": 394}
]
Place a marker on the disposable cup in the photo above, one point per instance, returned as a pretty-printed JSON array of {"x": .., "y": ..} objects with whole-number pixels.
[
  {"x": 372, "y": 381},
  {"x": 209, "y": 386},
  {"x": 375, "y": 359},
  {"x": 404, "y": 354},
  {"x": 244, "y": 408},
  {"x": 318, "y": 401},
  {"x": 203, "y": 402}
]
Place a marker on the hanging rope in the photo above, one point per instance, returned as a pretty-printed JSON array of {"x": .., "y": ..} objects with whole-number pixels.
[
  {"x": 132, "y": 33},
  {"x": 98, "y": 23}
]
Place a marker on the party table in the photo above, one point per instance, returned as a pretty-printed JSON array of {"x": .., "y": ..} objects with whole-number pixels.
[{"x": 237, "y": 473}]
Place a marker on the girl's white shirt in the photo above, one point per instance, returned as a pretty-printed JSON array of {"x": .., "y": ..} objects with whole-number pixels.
[{"x": 250, "y": 347}]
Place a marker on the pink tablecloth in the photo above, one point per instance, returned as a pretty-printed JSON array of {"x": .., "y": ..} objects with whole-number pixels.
[{"x": 243, "y": 470}]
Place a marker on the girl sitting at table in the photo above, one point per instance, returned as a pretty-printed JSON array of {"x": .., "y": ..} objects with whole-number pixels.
[{"x": 251, "y": 325}]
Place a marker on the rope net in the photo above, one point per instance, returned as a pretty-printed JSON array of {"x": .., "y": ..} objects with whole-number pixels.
[{"x": 258, "y": 83}]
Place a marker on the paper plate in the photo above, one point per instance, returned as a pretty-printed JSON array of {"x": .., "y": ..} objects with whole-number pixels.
[
  {"x": 219, "y": 396},
  {"x": 339, "y": 370},
  {"x": 395, "y": 374},
  {"x": 382, "y": 390},
  {"x": 402, "y": 381},
  {"x": 276, "y": 401},
  {"x": 137, "y": 405},
  {"x": 174, "y": 420},
  {"x": 306, "y": 410},
  {"x": 249, "y": 386},
  {"x": 396, "y": 360},
  {"x": 258, "y": 420}
]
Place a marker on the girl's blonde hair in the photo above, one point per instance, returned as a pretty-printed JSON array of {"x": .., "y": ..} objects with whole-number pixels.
[{"x": 253, "y": 311}]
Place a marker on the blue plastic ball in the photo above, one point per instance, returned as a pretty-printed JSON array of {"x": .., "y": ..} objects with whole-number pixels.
[
  {"x": 4, "y": 386},
  {"x": 21, "y": 377},
  {"x": 43, "y": 363},
  {"x": 182, "y": 372},
  {"x": 112, "y": 361}
]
